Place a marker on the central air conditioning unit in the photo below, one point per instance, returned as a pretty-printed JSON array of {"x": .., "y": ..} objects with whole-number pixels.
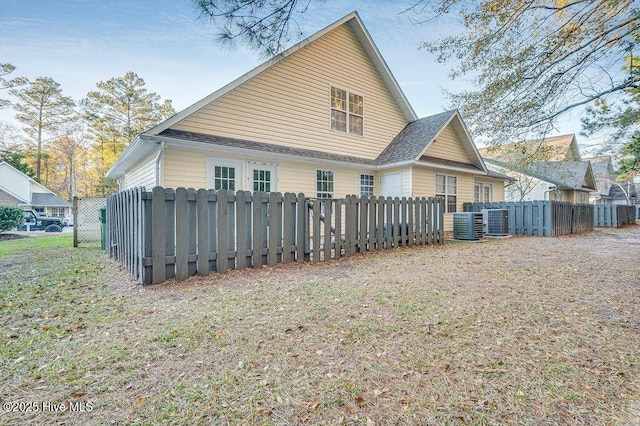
[
  {"x": 495, "y": 222},
  {"x": 467, "y": 226}
]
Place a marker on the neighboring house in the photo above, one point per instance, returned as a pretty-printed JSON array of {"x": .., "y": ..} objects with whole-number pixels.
[
  {"x": 543, "y": 169},
  {"x": 548, "y": 180},
  {"x": 325, "y": 118},
  {"x": 610, "y": 191},
  {"x": 555, "y": 148},
  {"x": 18, "y": 189}
]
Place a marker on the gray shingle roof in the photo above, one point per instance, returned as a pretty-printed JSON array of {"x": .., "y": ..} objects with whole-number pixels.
[
  {"x": 262, "y": 146},
  {"x": 48, "y": 200},
  {"x": 412, "y": 140},
  {"x": 567, "y": 174}
]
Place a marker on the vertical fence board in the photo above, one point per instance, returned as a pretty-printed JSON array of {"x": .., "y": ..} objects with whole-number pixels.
[
  {"x": 257, "y": 230},
  {"x": 288, "y": 226},
  {"x": 223, "y": 232},
  {"x": 301, "y": 226},
  {"x": 316, "y": 230},
  {"x": 274, "y": 228},
  {"x": 327, "y": 229},
  {"x": 203, "y": 231},
  {"x": 182, "y": 238},
  {"x": 379, "y": 229},
  {"x": 158, "y": 235},
  {"x": 242, "y": 230}
]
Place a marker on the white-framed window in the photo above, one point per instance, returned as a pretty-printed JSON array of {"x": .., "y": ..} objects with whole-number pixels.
[
  {"x": 57, "y": 211},
  {"x": 324, "y": 183},
  {"x": 447, "y": 187},
  {"x": 347, "y": 111},
  {"x": 482, "y": 193},
  {"x": 262, "y": 176},
  {"x": 224, "y": 174},
  {"x": 366, "y": 184}
]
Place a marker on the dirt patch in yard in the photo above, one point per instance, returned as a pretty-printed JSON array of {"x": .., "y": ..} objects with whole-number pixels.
[{"x": 518, "y": 331}]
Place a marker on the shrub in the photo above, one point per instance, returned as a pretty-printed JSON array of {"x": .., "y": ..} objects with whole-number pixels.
[{"x": 10, "y": 217}]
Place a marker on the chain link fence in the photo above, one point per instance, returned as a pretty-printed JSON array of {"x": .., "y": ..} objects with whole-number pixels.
[{"x": 86, "y": 220}]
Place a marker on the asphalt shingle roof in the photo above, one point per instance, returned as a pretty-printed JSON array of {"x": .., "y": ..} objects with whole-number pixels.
[
  {"x": 48, "y": 200},
  {"x": 568, "y": 174},
  {"x": 411, "y": 141},
  {"x": 262, "y": 146}
]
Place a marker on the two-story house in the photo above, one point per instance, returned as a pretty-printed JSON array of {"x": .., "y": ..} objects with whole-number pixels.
[
  {"x": 326, "y": 118},
  {"x": 18, "y": 189}
]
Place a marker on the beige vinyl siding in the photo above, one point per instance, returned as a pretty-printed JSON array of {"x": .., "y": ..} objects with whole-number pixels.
[
  {"x": 424, "y": 186},
  {"x": 497, "y": 187},
  {"x": 289, "y": 103},
  {"x": 187, "y": 168},
  {"x": 144, "y": 174},
  {"x": 448, "y": 145},
  {"x": 184, "y": 168}
]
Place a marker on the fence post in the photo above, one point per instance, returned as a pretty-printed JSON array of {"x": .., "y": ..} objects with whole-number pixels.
[{"x": 202, "y": 205}]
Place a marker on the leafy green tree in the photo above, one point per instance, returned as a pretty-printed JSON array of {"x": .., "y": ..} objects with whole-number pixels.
[
  {"x": 10, "y": 217},
  {"x": 119, "y": 110},
  {"x": 6, "y": 69},
  {"x": 43, "y": 109}
]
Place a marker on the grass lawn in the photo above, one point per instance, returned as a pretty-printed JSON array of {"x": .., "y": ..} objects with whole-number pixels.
[{"x": 516, "y": 331}]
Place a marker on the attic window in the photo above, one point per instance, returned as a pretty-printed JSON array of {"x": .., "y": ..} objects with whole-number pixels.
[{"x": 347, "y": 112}]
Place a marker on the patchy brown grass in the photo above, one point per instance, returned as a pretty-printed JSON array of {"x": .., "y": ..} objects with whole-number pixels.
[{"x": 516, "y": 331}]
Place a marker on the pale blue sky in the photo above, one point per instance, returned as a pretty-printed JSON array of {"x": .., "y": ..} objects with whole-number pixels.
[{"x": 81, "y": 42}]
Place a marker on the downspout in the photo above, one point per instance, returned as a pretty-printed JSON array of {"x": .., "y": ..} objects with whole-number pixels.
[{"x": 158, "y": 159}]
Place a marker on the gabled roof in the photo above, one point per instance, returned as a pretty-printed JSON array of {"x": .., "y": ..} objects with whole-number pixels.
[
  {"x": 48, "y": 200},
  {"x": 412, "y": 142},
  {"x": 555, "y": 148},
  {"x": 407, "y": 147},
  {"x": 356, "y": 25},
  {"x": 566, "y": 174}
]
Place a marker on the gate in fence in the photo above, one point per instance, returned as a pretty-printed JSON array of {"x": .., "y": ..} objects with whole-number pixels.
[
  {"x": 614, "y": 216},
  {"x": 86, "y": 219},
  {"x": 170, "y": 233}
]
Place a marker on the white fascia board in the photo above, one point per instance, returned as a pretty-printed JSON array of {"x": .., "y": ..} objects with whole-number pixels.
[
  {"x": 137, "y": 150},
  {"x": 452, "y": 168}
]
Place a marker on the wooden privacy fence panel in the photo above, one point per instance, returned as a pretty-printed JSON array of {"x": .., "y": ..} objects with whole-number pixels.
[
  {"x": 542, "y": 218},
  {"x": 177, "y": 233},
  {"x": 613, "y": 216}
]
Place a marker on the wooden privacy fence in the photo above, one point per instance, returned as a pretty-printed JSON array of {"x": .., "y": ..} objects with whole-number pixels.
[
  {"x": 170, "y": 233},
  {"x": 542, "y": 218},
  {"x": 614, "y": 216}
]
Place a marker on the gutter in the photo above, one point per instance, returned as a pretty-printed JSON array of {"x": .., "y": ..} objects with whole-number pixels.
[{"x": 159, "y": 157}]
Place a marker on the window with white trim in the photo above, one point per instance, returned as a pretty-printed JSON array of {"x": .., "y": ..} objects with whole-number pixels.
[
  {"x": 324, "y": 183},
  {"x": 447, "y": 187},
  {"x": 262, "y": 180},
  {"x": 224, "y": 177},
  {"x": 57, "y": 211},
  {"x": 347, "y": 111},
  {"x": 482, "y": 193},
  {"x": 366, "y": 185},
  {"x": 224, "y": 174}
]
